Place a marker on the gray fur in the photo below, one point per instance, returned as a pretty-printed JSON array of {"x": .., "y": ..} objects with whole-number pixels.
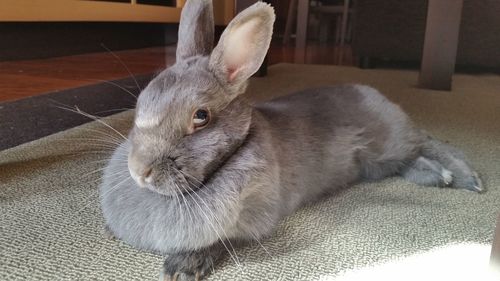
[
  {"x": 180, "y": 192},
  {"x": 192, "y": 264},
  {"x": 424, "y": 171},
  {"x": 196, "y": 33}
]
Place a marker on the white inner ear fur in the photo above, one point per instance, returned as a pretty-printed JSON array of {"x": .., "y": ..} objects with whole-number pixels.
[{"x": 240, "y": 47}]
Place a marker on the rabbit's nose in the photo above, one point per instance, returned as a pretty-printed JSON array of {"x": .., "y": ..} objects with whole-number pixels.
[
  {"x": 147, "y": 175},
  {"x": 142, "y": 174}
]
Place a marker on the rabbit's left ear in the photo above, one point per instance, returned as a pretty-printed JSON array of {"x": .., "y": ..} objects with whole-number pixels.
[
  {"x": 243, "y": 44},
  {"x": 196, "y": 29}
]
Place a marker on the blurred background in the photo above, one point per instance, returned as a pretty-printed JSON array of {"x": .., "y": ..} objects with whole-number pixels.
[{"x": 97, "y": 54}]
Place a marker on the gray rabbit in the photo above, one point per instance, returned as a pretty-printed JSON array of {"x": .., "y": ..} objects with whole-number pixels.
[{"x": 203, "y": 169}]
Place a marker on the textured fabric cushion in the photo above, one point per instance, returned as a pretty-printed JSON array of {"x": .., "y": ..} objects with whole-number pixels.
[{"x": 51, "y": 224}]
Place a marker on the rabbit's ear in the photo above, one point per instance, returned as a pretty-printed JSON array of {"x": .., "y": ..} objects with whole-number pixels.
[
  {"x": 196, "y": 29},
  {"x": 243, "y": 45}
]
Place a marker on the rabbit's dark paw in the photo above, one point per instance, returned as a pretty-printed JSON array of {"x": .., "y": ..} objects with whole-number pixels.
[
  {"x": 189, "y": 266},
  {"x": 108, "y": 233},
  {"x": 180, "y": 277}
]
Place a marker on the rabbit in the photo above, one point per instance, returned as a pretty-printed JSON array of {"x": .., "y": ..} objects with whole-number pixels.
[{"x": 203, "y": 169}]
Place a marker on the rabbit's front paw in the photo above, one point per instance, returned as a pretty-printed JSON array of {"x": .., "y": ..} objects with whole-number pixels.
[
  {"x": 179, "y": 277},
  {"x": 188, "y": 266}
]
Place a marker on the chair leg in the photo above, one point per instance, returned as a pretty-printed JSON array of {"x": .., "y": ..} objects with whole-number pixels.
[
  {"x": 349, "y": 30},
  {"x": 302, "y": 21},
  {"x": 345, "y": 14},
  {"x": 324, "y": 29},
  {"x": 338, "y": 23},
  {"x": 289, "y": 21},
  {"x": 440, "y": 44}
]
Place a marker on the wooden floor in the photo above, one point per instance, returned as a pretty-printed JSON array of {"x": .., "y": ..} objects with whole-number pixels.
[{"x": 20, "y": 79}]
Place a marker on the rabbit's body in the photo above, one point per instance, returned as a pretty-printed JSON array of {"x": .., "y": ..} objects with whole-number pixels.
[
  {"x": 299, "y": 147},
  {"x": 201, "y": 167},
  {"x": 329, "y": 137}
]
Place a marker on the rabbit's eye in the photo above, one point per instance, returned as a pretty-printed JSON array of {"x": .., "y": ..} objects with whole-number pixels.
[{"x": 201, "y": 118}]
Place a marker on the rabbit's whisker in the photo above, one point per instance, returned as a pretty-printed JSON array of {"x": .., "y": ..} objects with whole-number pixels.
[
  {"x": 215, "y": 218},
  {"x": 114, "y": 84},
  {"x": 200, "y": 183},
  {"x": 255, "y": 238},
  {"x": 116, "y": 109},
  {"x": 216, "y": 199},
  {"x": 235, "y": 257},
  {"x": 119, "y": 176},
  {"x": 99, "y": 179},
  {"x": 122, "y": 161},
  {"x": 102, "y": 145},
  {"x": 107, "y": 139},
  {"x": 105, "y": 160},
  {"x": 90, "y": 116},
  {"x": 99, "y": 141},
  {"x": 95, "y": 118},
  {"x": 265, "y": 249},
  {"x": 90, "y": 152},
  {"x": 188, "y": 207},
  {"x": 102, "y": 169},
  {"x": 123, "y": 64},
  {"x": 101, "y": 152},
  {"x": 105, "y": 134},
  {"x": 111, "y": 189},
  {"x": 93, "y": 172},
  {"x": 179, "y": 203}
]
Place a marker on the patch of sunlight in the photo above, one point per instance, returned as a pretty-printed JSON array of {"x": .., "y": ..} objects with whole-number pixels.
[{"x": 453, "y": 262}]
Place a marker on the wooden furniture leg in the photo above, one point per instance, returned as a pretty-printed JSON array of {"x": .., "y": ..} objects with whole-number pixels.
[
  {"x": 440, "y": 44},
  {"x": 301, "y": 39},
  {"x": 343, "y": 29},
  {"x": 289, "y": 21}
]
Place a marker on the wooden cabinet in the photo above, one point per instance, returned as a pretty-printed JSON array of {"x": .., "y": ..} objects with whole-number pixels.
[{"x": 102, "y": 11}]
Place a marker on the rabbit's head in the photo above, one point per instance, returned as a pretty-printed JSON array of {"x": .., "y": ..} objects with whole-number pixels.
[{"x": 189, "y": 119}]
